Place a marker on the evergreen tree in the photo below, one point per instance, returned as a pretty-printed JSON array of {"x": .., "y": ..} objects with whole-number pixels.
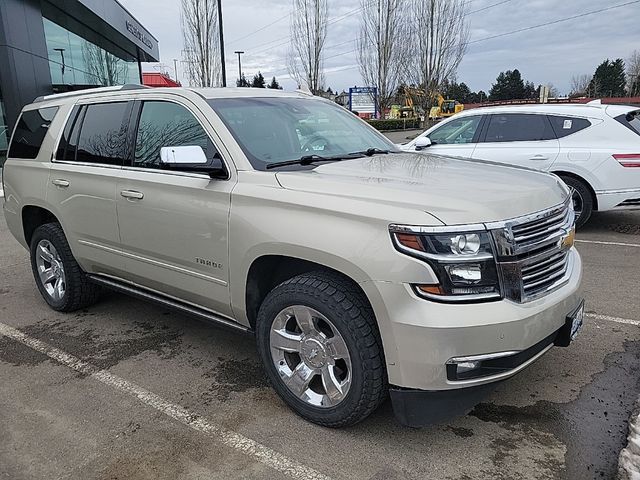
[
  {"x": 609, "y": 79},
  {"x": 510, "y": 86},
  {"x": 274, "y": 84},
  {"x": 242, "y": 81},
  {"x": 258, "y": 81}
]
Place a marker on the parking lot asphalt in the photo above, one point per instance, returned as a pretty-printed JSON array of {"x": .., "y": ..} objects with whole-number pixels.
[{"x": 130, "y": 390}]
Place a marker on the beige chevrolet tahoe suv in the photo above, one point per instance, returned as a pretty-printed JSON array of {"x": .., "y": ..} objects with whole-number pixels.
[{"x": 361, "y": 270}]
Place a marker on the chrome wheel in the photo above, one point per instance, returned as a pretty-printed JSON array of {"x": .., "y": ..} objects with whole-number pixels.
[
  {"x": 310, "y": 356},
  {"x": 578, "y": 201},
  {"x": 50, "y": 270}
]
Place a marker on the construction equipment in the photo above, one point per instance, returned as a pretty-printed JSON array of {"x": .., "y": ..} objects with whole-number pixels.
[{"x": 445, "y": 108}]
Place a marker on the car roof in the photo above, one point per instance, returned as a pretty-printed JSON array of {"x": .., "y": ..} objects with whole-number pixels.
[
  {"x": 207, "y": 93},
  {"x": 578, "y": 109}
]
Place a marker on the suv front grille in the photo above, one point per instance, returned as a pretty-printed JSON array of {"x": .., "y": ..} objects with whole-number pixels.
[{"x": 533, "y": 252}]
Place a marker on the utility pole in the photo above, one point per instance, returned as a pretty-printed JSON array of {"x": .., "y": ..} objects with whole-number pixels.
[
  {"x": 239, "y": 52},
  {"x": 224, "y": 70},
  {"x": 175, "y": 68}
]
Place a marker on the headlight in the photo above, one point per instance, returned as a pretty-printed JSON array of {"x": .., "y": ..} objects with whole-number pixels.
[{"x": 463, "y": 261}]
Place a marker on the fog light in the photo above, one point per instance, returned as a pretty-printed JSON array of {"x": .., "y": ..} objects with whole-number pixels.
[
  {"x": 465, "y": 274},
  {"x": 467, "y": 366}
]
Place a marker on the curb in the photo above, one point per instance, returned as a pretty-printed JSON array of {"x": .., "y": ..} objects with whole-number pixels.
[{"x": 629, "y": 460}]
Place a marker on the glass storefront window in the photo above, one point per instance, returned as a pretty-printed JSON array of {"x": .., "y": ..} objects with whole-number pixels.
[{"x": 76, "y": 61}]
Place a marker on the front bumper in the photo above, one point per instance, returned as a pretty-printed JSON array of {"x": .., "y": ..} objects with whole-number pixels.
[{"x": 420, "y": 336}]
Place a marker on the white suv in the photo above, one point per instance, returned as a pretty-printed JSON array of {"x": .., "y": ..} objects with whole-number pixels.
[{"x": 594, "y": 148}]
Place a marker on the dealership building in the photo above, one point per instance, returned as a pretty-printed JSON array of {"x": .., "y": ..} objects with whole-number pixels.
[{"x": 51, "y": 46}]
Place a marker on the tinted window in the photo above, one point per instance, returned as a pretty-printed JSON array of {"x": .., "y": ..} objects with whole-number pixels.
[
  {"x": 460, "y": 130},
  {"x": 518, "y": 128},
  {"x": 563, "y": 126},
  {"x": 30, "y": 131},
  {"x": 103, "y": 134},
  {"x": 631, "y": 120},
  {"x": 165, "y": 124},
  {"x": 69, "y": 139}
]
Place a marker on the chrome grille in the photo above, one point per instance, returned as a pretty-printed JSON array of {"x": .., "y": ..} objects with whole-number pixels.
[{"x": 532, "y": 255}]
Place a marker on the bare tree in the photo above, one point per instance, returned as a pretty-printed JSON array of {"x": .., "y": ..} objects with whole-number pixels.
[
  {"x": 381, "y": 47},
  {"x": 580, "y": 85},
  {"x": 200, "y": 35},
  {"x": 308, "y": 34},
  {"x": 633, "y": 74},
  {"x": 103, "y": 68},
  {"x": 438, "y": 39}
]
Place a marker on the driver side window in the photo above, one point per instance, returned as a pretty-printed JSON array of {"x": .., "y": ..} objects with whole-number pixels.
[{"x": 460, "y": 130}]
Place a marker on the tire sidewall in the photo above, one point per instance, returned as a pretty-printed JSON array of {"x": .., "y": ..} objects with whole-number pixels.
[{"x": 279, "y": 299}]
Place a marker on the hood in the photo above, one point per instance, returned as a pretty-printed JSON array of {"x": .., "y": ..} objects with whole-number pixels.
[{"x": 456, "y": 191}]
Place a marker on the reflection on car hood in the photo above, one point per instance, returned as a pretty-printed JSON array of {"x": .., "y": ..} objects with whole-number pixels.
[{"x": 456, "y": 191}]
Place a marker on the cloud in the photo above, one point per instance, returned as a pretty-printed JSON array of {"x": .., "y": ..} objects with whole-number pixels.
[{"x": 548, "y": 54}]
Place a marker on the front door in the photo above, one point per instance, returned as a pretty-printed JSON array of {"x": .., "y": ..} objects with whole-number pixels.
[
  {"x": 456, "y": 137},
  {"x": 174, "y": 225}
]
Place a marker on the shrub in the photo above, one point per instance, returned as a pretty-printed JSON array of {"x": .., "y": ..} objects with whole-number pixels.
[{"x": 395, "y": 124}]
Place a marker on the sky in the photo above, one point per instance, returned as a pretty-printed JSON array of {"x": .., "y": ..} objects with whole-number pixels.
[{"x": 549, "y": 54}]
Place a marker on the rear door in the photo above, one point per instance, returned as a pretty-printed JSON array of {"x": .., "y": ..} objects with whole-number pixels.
[
  {"x": 527, "y": 140},
  {"x": 82, "y": 183}
]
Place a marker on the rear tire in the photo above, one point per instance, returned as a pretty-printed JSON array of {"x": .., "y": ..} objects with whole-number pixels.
[
  {"x": 59, "y": 278},
  {"x": 582, "y": 199},
  {"x": 333, "y": 386}
]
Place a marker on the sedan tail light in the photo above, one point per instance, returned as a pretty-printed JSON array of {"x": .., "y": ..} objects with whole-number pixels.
[{"x": 628, "y": 159}]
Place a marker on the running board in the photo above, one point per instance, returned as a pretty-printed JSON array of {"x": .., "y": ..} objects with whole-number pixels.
[{"x": 160, "y": 299}]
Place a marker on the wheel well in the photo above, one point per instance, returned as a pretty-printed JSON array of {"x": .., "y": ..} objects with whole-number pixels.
[
  {"x": 561, "y": 173},
  {"x": 269, "y": 271},
  {"x": 33, "y": 217}
]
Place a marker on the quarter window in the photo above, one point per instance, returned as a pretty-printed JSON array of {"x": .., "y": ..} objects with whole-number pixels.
[
  {"x": 515, "y": 127},
  {"x": 166, "y": 124},
  {"x": 460, "y": 130},
  {"x": 103, "y": 135},
  {"x": 564, "y": 126},
  {"x": 30, "y": 132}
]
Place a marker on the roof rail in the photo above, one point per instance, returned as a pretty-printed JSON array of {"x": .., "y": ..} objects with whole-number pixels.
[{"x": 76, "y": 93}]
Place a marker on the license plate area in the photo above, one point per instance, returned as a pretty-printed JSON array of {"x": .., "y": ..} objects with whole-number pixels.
[{"x": 571, "y": 328}]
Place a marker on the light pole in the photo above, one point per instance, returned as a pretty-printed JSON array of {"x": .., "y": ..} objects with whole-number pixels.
[
  {"x": 61, "y": 50},
  {"x": 175, "y": 68},
  {"x": 224, "y": 70},
  {"x": 239, "y": 52}
]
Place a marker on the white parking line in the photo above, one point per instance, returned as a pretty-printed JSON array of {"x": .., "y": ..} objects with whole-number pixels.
[
  {"x": 607, "y": 318},
  {"x": 229, "y": 438},
  {"x": 619, "y": 244}
]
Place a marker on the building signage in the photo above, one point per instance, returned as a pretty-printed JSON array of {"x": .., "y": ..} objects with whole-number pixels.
[
  {"x": 139, "y": 34},
  {"x": 363, "y": 100}
]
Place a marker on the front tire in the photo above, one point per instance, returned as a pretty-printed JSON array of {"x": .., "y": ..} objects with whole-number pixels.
[
  {"x": 582, "y": 199},
  {"x": 318, "y": 340},
  {"x": 59, "y": 278}
]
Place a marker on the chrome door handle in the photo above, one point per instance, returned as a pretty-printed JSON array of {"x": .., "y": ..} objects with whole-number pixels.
[
  {"x": 539, "y": 157},
  {"x": 132, "y": 194},
  {"x": 59, "y": 182}
]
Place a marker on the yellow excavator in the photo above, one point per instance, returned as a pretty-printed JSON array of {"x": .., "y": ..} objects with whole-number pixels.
[{"x": 445, "y": 108}]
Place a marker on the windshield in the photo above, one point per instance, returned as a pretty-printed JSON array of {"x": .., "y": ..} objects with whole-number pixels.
[{"x": 271, "y": 130}]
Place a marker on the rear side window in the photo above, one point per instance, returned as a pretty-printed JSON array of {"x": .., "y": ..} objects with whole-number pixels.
[
  {"x": 30, "y": 132},
  {"x": 631, "y": 120},
  {"x": 103, "y": 134},
  {"x": 564, "y": 126},
  {"x": 515, "y": 127}
]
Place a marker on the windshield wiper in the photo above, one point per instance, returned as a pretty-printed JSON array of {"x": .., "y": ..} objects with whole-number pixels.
[
  {"x": 369, "y": 152},
  {"x": 309, "y": 159}
]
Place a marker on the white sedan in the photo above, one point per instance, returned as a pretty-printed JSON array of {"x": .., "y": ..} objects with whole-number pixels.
[{"x": 594, "y": 148}]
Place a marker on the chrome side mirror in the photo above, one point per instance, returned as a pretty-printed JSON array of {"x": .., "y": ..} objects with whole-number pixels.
[
  {"x": 422, "y": 143},
  {"x": 189, "y": 155}
]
